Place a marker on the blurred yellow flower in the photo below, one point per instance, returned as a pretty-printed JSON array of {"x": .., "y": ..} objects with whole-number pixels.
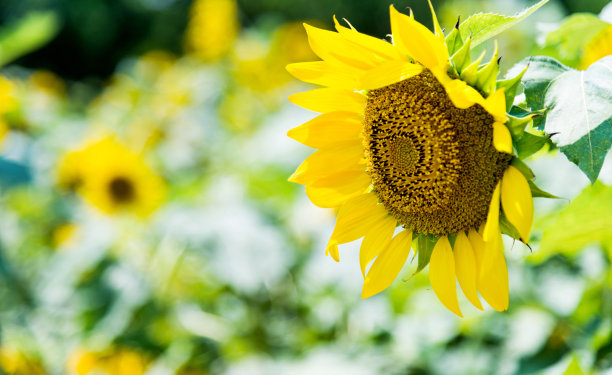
[
  {"x": 48, "y": 82},
  {"x": 112, "y": 362},
  {"x": 112, "y": 178},
  {"x": 153, "y": 63},
  {"x": 600, "y": 46},
  {"x": 7, "y": 103},
  {"x": 213, "y": 27},
  {"x": 7, "y": 100},
  {"x": 13, "y": 362}
]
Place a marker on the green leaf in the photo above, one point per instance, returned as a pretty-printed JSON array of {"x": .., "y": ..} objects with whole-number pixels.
[
  {"x": 27, "y": 35},
  {"x": 589, "y": 152},
  {"x": 425, "y": 245},
  {"x": 542, "y": 70},
  {"x": 483, "y": 26},
  {"x": 580, "y": 115},
  {"x": 568, "y": 41},
  {"x": 587, "y": 219},
  {"x": 525, "y": 170}
]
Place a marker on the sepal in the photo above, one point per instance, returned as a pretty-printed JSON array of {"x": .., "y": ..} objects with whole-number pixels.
[
  {"x": 470, "y": 73},
  {"x": 517, "y": 125},
  {"x": 536, "y": 192},
  {"x": 507, "y": 228},
  {"x": 461, "y": 59},
  {"x": 487, "y": 74},
  {"x": 530, "y": 143},
  {"x": 453, "y": 40},
  {"x": 511, "y": 85},
  {"x": 425, "y": 244},
  {"x": 523, "y": 168}
]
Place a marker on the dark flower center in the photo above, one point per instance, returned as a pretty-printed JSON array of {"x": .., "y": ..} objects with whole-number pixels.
[
  {"x": 122, "y": 190},
  {"x": 433, "y": 165}
]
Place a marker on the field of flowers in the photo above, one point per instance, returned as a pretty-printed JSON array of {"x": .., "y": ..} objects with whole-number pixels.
[{"x": 147, "y": 225}]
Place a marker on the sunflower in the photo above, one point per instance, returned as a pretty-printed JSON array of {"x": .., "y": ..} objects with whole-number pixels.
[
  {"x": 415, "y": 147},
  {"x": 112, "y": 178},
  {"x": 213, "y": 27}
]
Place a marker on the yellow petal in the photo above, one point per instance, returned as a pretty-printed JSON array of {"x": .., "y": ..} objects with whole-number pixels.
[
  {"x": 347, "y": 157},
  {"x": 517, "y": 201},
  {"x": 335, "y": 49},
  {"x": 492, "y": 284},
  {"x": 335, "y": 189},
  {"x": 329, "y": 129},
  {"x": 388, "y": 73},
  {"x": 465, "y": 264},
  {"x": 416, "y": 41},
  {"x": 461, "y": 94},
  {"x": 387, "y": 265},
  {"x": 492, "y": 225},
  {"x": 375, "y": 241},
  {"x": 355, "y": 217},
  {"x": 332, "y": 250},
  {"x": 442, "y": 275},
  {"x": 495, "y": 104},
  {"x": 501, "y": 138},
  {"x": 381, "y": 48},
  {"x": 491, "y": 233},
  {"x": 329, "y": 100},
  {"x": 324, "y": 74}
]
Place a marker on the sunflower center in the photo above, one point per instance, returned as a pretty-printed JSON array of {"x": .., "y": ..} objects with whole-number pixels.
[
  {"x": 122, "y": 190},
  {"x": 433, "y": 165}
]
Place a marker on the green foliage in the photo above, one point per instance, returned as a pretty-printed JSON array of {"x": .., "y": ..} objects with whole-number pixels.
[
  {"x": 483, "y": 26},
  {"x": 27, "y": 35},
  {"x": 541, "y": 70},
  {"x": 586, "y": 220},
  {"x": 568, "y": 41}
]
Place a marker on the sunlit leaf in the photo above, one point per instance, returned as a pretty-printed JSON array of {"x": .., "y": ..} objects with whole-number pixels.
[
  {"x": 586, "y": 220},
  {"x": 483, "y": 26},
  {"x": 580, "y": 115}
]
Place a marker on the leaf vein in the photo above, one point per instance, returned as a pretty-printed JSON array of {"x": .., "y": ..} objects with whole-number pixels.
[{"x": 586, "y": 114}]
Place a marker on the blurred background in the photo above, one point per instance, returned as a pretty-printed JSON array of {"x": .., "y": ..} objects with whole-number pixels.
[{"x": 147, "y": 225}]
